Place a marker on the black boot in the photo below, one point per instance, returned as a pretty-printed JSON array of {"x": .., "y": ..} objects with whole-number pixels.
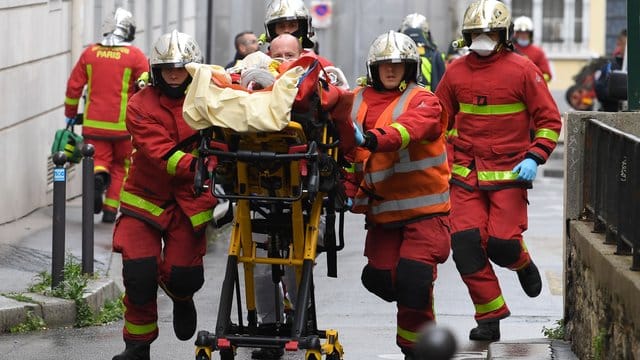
[
  {"x": 101, "y": 181},
  {"x": 408, "y": 353},
  {"x": 486, "y": 331},
  {"x": 134, "y": 351},
  {"x": 184, "y": 319},
  {"x": 267, "y": 353},
  {"x": 530, "y": 280}
]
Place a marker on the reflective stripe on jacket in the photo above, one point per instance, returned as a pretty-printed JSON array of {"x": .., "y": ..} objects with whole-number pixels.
[
  {"x": 160, "y": 178},
  {"x": 110, "y": 74},
  {"x": 494, "y": 101},
  {"x": 406, "y": 184}
]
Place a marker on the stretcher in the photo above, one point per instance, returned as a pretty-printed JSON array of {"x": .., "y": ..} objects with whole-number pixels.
[{"x": 290, "y": 178}]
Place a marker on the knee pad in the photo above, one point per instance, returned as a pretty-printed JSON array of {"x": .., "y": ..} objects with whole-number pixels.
[
  {"x": 185, "y": 281},
  {"x": 467, "y": 251},
  {"x": 140, "y": 277},
  {"x": 413, "y": 281},
  {"x": 503, "y": 252},
  {"x": 379, "y": 283}
]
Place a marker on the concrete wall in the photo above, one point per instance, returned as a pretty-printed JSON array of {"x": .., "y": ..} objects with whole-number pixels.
[
  {"x": 45, "y": 38},
  {"x": 43, "y": 41},
  {"x": 602, "y": 312}
]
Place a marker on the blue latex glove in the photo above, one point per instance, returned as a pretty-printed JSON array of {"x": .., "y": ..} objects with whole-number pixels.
[
  {"x": 70, "y": 121},
  {"x": 526, "y": 169},
  {"x": 349, "y": 203},
  {"x": 359, "y": 136}
]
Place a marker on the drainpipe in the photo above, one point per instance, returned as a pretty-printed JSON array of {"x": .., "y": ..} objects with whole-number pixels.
[
  {"x": 77, "y": 29},
  {"x": 209, "y": 31},
  {"x": 633, "y": 54}
]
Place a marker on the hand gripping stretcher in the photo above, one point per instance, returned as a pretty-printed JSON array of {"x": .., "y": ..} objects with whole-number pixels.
[{"x": 289, "y": 175}]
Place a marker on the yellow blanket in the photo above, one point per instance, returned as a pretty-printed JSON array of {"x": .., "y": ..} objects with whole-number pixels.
[{"x": 209, "y": 105}]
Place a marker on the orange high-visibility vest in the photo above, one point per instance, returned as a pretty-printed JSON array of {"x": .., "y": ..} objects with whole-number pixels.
[{"x": 406, "y": 184}]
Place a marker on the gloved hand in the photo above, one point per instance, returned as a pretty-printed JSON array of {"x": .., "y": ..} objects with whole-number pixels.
[
  {"x": 359, "y": 136},
  {"x": 70, "y": 121},
  {"x": 526, "y": 169},
  {"x": 348, "y": 204}
]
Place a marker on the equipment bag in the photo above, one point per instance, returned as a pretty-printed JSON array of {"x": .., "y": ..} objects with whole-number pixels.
[{"x": 68, "y": 141}]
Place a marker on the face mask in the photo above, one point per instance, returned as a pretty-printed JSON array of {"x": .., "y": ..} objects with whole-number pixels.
[
  {"x": 523, "y": 42},
  {"x": 483, "y": 45}
]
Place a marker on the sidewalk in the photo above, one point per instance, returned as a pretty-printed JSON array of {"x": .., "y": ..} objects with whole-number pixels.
[{"x": 25, "y": 251}]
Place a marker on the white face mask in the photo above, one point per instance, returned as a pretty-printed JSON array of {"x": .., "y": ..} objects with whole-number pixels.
[
  {"x": 483, "y": 45},
  {"x": 523, "y": 42}
]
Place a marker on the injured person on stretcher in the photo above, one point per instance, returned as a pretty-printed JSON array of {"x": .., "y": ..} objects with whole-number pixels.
[{"x": 267, "y": 110}]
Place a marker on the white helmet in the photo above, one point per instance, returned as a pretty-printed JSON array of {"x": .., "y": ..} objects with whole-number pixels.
[
  {"x": 523, "y": 23},
  {"x": 393, "y": 47},
  {"x": 415, "y": 20},
  {"x": 173, "y": 50},
  {"x": 288, "y": 10},
  {"x": 416, "y": 26},
  {"x": 486, "y": 16},
  {"x": 118, "y": 29}
]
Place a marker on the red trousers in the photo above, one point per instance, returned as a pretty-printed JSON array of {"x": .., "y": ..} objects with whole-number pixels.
[
  {"x": 112, "y": 157},
  {"x": 172, "y": 259},
  {"x": 488, "y": 225},
  {"x": 410, "y": 254}
]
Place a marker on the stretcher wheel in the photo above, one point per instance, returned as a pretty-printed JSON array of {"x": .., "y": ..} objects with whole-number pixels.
[
  {"x": 312, "y": 355},
  {"x": 227, "y": 354},
  {"x": 203, "y": 355}
]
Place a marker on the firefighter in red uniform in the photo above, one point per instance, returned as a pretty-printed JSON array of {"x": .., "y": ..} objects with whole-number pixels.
[
  {"x": 109, "y": 69},
  {"x": 401, "y": 136},
  {"x": 160, "y": 233},
  {"x": 523, "y": 36},
  {"x": 493, "y": 94}
]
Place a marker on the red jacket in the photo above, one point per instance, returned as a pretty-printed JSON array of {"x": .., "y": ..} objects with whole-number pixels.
[
  {"x": 409, "y": 127},
  {"x": 162, "y": 169},
  {"x": 110, "y": 73},
  {"x": 537, "y": 56},
  {"x": 491, "y": 101}
]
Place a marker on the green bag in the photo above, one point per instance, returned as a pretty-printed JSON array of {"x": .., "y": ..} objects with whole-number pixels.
[{"x": 68, "y": 141}]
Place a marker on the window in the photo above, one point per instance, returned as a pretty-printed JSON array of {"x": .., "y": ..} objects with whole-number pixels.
[
  {"x": 577, "y": 30},
  {"x": 552, "y": 19},
  {"x": 560, "y": 25},
  {"x": 521, "y": 8}
]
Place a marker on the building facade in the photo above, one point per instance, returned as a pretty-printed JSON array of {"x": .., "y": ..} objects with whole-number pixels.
[{"x": 45, "y": 38}]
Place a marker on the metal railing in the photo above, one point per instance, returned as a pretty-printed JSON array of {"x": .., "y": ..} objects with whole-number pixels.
[{"x": 611, "y": 189}]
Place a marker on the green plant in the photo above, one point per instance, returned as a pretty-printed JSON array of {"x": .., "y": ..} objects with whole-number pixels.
[
  {"x": 32, "y": 323},
  {"x": 556, "y": 332},
  {"x": 72, "y": 288},
  {"x": 18, "y": 297},
  {"x": 597, "y": 344},
  {"x": 111, "y": 311}
]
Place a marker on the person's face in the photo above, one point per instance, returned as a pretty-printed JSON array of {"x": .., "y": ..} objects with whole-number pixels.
[
  {"x": 391, "y": 74},
  {"x": 523, "y": 35},
  {"x": 493, "y": 35},
  {"x": 248, "y": 44},
  {"x": 174, "y": 77},
  {"x": 288, "y": 26},
  {"x": 285, "y": 50},
  {"x": 577, "y": 100}
]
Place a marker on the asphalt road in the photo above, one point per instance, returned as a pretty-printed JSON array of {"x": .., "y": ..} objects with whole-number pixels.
[{"x": 365, "y": 323}]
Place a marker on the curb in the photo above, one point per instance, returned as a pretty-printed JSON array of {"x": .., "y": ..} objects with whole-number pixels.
[{"x": 55, "y": 312}]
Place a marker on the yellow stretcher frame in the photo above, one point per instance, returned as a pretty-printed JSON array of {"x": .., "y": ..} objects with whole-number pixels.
[{"x": 291, "y": 160}]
